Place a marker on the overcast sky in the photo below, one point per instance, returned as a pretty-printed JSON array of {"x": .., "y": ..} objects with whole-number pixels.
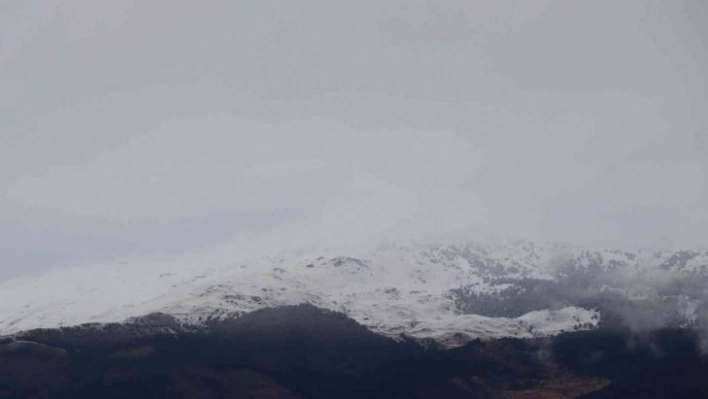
[{"x": 153, "y": 128}]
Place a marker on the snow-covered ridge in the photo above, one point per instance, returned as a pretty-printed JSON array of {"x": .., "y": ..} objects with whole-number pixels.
[{"x": 393, "y": 289}]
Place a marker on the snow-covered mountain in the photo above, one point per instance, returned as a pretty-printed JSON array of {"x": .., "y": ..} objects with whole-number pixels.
[{"x": 443, "y": 292}]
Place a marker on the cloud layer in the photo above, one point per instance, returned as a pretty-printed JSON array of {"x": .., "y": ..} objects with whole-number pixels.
[{"x": 146, "y": 128}]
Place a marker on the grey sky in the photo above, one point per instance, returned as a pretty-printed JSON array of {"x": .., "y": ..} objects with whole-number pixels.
[{"x": 145, "y": 128}]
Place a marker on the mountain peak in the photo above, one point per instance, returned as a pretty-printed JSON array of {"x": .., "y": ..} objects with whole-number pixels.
[{"x": 470, "y": 290}]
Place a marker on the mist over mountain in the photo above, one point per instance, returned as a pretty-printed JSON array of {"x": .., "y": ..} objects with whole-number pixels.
[
  {"x": 475, "y": 290},
  {"x": 480, "y": 320},
  {"x": 329, "y": 199}
]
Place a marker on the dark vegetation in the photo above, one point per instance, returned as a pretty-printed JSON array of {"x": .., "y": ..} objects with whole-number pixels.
[
  {"x": 306, "y": 352},
  {"x": 672, "y": 378}
]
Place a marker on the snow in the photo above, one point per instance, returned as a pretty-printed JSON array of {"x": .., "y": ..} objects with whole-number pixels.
[{"x": 393, "y": 290}]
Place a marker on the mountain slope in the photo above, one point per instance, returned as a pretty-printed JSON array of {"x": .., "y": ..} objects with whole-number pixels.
[{"x": 446, "y": 293}]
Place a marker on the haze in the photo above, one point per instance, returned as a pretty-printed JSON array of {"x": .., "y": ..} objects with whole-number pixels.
[{"x": 141, "y": 129}]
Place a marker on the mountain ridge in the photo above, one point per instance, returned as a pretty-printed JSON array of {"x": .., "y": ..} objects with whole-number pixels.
[{"x": 447, "y": 293}]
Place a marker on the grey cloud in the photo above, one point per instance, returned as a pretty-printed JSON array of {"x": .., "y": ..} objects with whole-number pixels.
[{"x": 130, "y": 126}]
